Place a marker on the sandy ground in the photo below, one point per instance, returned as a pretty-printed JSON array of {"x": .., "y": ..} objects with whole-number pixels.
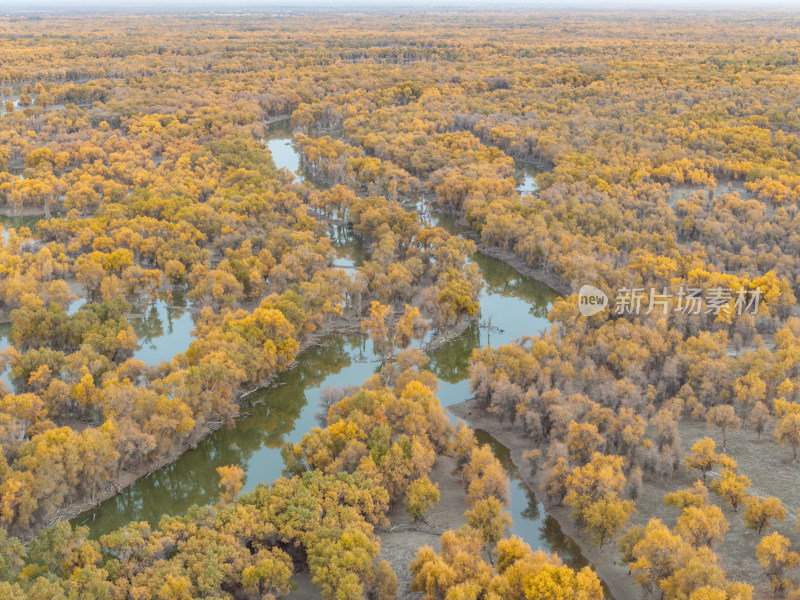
[
  {"x": 454, "y": 331},
  {"x": 769, "y": 467},
  {"x": 605, "y": 561},
  {"x": 401, "y": 539},
  {"x": 400, "y": 543},
  {"x": 305, "y": 590},
  {"x": 8, "y": 211}
]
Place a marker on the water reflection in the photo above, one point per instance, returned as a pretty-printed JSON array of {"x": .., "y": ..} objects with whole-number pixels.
[
  {"x": 5, "y": 342},
  {"x": 279, "y": 142},
  {"x": 509, "y": 298},
  {"x": 350, "y": 251},
  {"x": 531, "y": 522},
  {"x": 286, "y": 412},
  {"x": 284, "y": 156},
  {"x": 274, "y": 416},
  {"x": 29, "y": 221},
  {"x": 10, "y": 222},
  {"x": 526, "y": 176},
  {"x": 164, "y": 329},
  {"x": 450, "y": 362}
]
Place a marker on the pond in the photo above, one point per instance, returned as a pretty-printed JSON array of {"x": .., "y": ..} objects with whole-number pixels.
[
  {"x": 526, "y": 176},
  {"x": 10, "y": 222},
  {"x": 164, "y": 328}
]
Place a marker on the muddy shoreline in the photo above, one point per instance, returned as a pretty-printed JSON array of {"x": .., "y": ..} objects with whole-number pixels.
[
  {"x": 513, "y": 260},
  {"x": 602, "y": 560},
  {"x": 519, "y": 265}
]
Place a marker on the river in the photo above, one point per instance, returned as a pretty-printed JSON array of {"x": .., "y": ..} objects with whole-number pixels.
[{"x": 514, "y": 304}]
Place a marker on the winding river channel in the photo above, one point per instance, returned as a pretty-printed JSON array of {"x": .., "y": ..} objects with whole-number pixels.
[{"x": 514, "y": 304}]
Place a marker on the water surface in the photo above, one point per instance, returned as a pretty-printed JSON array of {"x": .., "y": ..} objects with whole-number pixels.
[
  {"x": 526, "y": 176},
  {"x": 512, "y": 305},
  {"x": 163, "y": 329}
]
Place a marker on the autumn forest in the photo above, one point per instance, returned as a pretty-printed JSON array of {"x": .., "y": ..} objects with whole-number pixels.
[{"x": 292, "y": 305}]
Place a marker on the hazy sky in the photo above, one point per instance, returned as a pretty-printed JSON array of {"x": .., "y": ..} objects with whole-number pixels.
[{"x": 27, "y": 6}]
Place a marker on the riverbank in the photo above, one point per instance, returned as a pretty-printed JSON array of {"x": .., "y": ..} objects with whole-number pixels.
[
  {"x": 602, "y": 560},
  {"x": 291, "y": 407},
  {"x": 453, "y": 332},
  {"x": 513, "y": 260},
  {"x": 128, "y": 477},
  {"x": 341, "y": 326},
  {"x": 345, "y": 325}
]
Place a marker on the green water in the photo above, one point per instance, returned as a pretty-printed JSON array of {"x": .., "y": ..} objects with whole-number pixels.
[
  {"x": 531, "y": 522},
  {"x": 288, "y": 410},
  {"x": 513, "y": 304},
  {"x": 272, "y": 417},
  {"x": 9, "y": 222},
  {"x": 163, "y": 328}
]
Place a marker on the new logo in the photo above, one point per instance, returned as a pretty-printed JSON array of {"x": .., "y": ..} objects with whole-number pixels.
[{"x": 591, "y": 300}]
